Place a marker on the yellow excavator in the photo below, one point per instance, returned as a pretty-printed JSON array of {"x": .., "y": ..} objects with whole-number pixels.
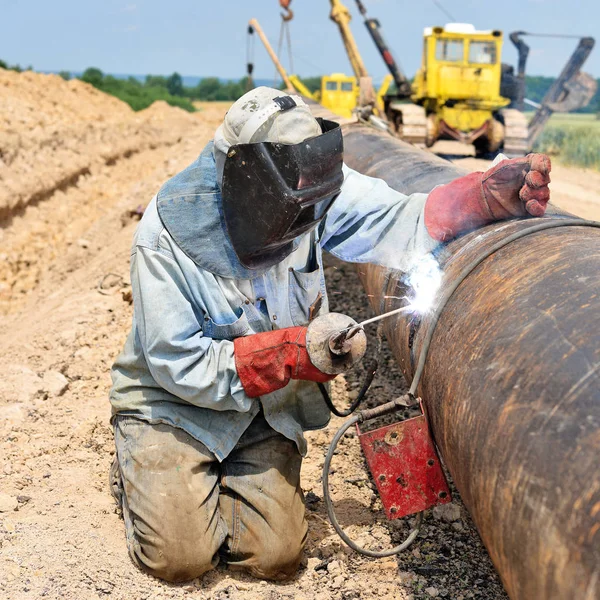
[
  {"x": 348, "y": 96},
  {"x": 463, "y": 91},
  {"x": 407, "y": 120}
]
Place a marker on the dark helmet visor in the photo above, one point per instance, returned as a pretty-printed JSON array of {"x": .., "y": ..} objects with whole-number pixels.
[{"x": 272, "y": 193}]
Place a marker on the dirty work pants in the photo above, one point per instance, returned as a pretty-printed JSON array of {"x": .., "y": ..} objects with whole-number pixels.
[{"x": 184, "y": 510}]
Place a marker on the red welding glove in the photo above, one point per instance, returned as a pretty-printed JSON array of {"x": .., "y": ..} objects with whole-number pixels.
[
  {"x": 513, "y": 188},
  {"x": 266, "y": 362}
]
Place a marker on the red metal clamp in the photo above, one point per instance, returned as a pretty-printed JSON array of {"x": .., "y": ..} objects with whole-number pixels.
[{"x": 405, "y": 466}]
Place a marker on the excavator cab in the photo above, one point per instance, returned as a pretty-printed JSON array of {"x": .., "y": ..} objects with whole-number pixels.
[
  {"x": 339, "y": 93},
  {"x": 460, "y": 75}
]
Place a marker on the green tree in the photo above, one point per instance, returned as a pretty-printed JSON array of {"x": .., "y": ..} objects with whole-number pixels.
[
  {"x": 17, "y": 68},
  {"x": 175, "y": 85},
  {"x": 312, "y": 83},
  {"x": 93, "y": 76},
  {"x": 207, "y": 88},
  {"x": 66, "y": 75},
  {"x": 156, "y": 81}
]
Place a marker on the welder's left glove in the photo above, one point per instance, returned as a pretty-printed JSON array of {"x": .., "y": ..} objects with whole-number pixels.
[{"x": 513, "y": 188}]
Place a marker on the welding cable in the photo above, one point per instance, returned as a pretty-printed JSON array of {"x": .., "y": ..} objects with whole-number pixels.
[
  {"x": 364, "y": 415},
  {"x": 331, "y": 511},
  {"x": 361, "y": 395}
]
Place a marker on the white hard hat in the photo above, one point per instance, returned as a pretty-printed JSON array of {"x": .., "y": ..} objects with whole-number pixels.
[{"x": 256, "y": 118}]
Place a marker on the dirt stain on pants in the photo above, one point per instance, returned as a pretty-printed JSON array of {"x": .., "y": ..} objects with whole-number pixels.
[{"x": 183, "y": 510}]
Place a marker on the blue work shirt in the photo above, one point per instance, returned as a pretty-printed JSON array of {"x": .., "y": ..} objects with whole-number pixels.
[{"x": 192, "y": 298}]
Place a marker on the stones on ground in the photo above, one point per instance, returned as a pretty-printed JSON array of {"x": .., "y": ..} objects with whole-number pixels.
[
  {"x": 54, "y": 383},
  {"x": 353, "y": 591},
  {"x": 127, "y": 295},
  {"x": 311, "y": 500},
  {"x": 8, "y": 503},
  {"x": 20, "y": 385},
  {"x": 433, "y": 592},
  {"x": 334, "y": 568},
  {"x": 448, "y": 513}
]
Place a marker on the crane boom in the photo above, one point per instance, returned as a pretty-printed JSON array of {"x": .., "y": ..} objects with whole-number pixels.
[
  {"x": 341, "y": 16},
  {"x": 403, "y": 87}
]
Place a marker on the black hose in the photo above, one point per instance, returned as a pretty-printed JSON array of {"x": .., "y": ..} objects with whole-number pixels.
[
  {"x": 360, "y": 417},
  {"x": 361, "y": 395},
  {"x": 331, "y": 511}
]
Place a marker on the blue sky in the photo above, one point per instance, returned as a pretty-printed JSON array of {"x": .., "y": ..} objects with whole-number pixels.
[{"x": 208, "y": 37}]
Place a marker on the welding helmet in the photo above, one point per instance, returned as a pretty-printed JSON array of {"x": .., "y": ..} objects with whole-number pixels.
[{"x": 274, "y": 192}]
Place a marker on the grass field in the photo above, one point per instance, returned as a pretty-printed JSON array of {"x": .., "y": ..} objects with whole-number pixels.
[{"x": 574, "y": 139}]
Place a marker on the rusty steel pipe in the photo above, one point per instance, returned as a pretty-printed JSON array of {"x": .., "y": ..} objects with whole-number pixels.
[{"x": 511, "y": 383}]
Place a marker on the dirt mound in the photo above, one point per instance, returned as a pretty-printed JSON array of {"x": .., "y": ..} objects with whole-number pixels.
[{"x": 54, "y": 131}]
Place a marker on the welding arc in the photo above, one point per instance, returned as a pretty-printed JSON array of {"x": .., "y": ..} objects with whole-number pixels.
[
  {"x": 392, "y": 406},
  {"x": 545, "y": 224}
]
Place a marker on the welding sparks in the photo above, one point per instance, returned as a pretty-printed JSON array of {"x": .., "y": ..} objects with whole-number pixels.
[{"x": 424, "y": 280}]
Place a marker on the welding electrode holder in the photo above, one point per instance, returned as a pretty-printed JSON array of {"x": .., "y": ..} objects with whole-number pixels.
[
  {"x": 335, "y": 342},
  {"x": 331, "y": 352}
]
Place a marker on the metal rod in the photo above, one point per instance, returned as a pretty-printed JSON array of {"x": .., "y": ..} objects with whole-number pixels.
[
  {"x": 385, "y": 315},
  {"x": 337, "y": 339}
]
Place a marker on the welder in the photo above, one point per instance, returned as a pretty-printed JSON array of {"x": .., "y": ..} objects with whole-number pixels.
[{"x": 214, "y": 387}]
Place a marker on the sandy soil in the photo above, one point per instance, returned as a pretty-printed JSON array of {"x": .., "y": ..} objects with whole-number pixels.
[{"x": 64, "y": 316}]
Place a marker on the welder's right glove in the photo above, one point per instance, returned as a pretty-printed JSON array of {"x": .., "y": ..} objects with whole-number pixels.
[
  {"x": 266, "y": 362},
  {"x": 513, "y": 188}
]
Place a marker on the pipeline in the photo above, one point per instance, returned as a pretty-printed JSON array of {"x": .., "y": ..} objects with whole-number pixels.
[{"x": 512, "y": 380}]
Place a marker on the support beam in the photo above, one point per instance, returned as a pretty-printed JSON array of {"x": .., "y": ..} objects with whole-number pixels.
[{"x": 512, "y": 381}]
